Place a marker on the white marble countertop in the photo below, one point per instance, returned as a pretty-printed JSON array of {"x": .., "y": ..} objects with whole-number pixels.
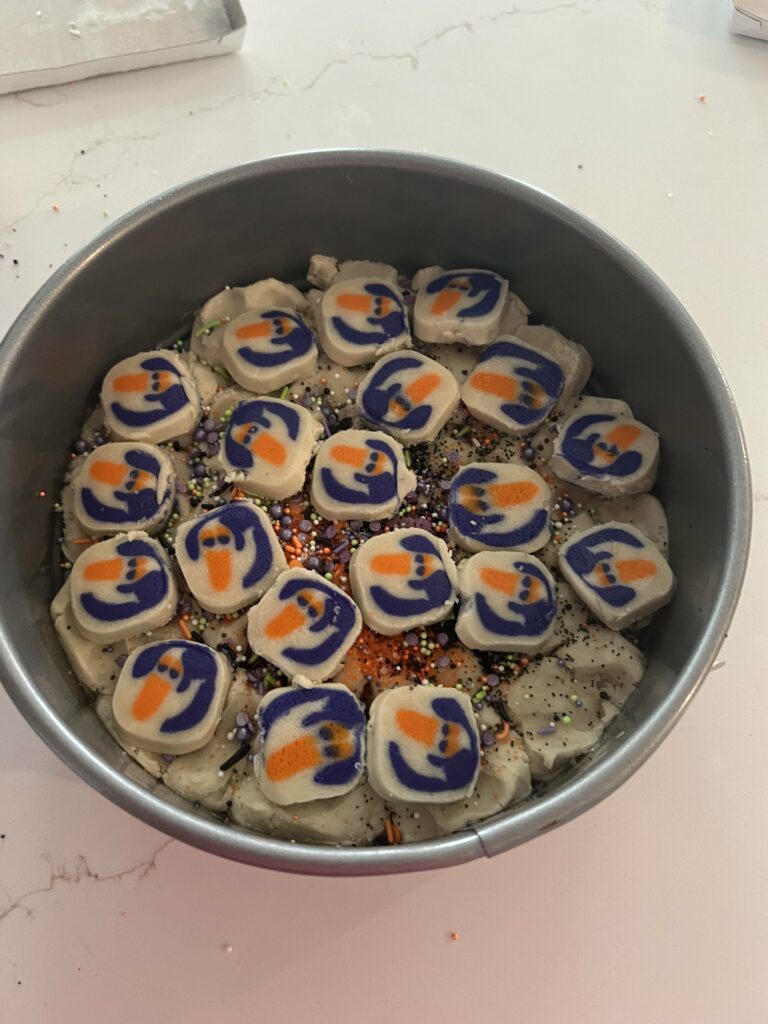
[{"x": 651, "y": 118}]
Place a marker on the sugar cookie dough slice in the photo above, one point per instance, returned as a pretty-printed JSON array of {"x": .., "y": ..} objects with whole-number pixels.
[
  {"x": 508, "y": 602},
  {"x": 311, "y": 743},
  {"x": 124, "y": 486},
  {"x": 170, "y": 696},
  {"x": 265, "y": 350},
  {"x": 574, "y": 359},
  {"x": 423, "y": 745},
  {"x": 150, "y": 397},
  {"x": 122, "y": 587},
  {"x": 514, "y": 387},
  {"x": 458, "y": 305},
  {"x": 618, "y": 573},
  {"x": 608, "y": 660},
  {"x": 229, "y": 556},
  {"x": 210, "y": 323},
  {"x": 360, "y": 474},
  {"x": 267, "y": 446},
  {"x": 408, "y": 395},
  {"x": 362, "y": 318},
  {"x": 494, "y": 505},
  {"x": 304, "y": 625},
  {"x": 94, "y": 664},
  {"x": 606, "y": 453},
  {"x": 504, "y": 779},
  {"x": 403, "y": 579}
]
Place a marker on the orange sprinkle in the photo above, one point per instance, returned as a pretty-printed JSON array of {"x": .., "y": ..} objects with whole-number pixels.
[
  {"x": 503, "y": 733},
  {"x": 294, "y": 563},
  {"x": 185, "y": 629},
  {"x": 55, "y": 207},
  {"x": 702, "y": 97},
  {"x": 394, "y": 836},
  {"x": 454, "y": 936},
  {"x": 83, "y": 540},
  {"x": 297, "y": 543}
]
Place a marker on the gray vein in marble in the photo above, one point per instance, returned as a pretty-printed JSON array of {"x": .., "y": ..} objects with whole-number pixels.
[{"x": 81, "y": 870}]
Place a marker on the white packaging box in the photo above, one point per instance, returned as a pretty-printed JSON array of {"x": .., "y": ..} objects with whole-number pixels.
[{"x": 50, "y": 42}]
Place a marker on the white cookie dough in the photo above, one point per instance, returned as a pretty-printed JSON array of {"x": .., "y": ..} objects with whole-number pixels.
[
  {"x": 574, "y": 359},
  {"x": 124, "y": 486},
  {"x": 423, "y": 745},
  {"x": 408, "y": 395},
  {"x": 458, "y": 305},
  {"x": 606, "y": 453},
  {"x": 267, "y": 349},
  {"x": 304, "y": 625},
  {"x": 229, "y": 556},
  {"x": 150, "y": 397},
  {"x": 493, "y": 505},
  {"x": 513, "y": 387},
  {"x": 170, "y": 695},
  {"x": 361, "y": 319},
  {"x": 121, "y": 587},
  {"x": 508, "y": 602},
  {"x": 403, "y": 579},
  {"x": 619, "y": 574},
  {"x": 267, "y": 446},
  {"x": 360, "y": 474},
  {"x": 94, "y": 664},
  {"x": 311, "y": 743}
]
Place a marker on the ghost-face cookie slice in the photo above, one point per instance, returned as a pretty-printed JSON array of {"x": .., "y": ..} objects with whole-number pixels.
[
  {"x": 494, "y": 505},
  {"x": 122, "y": 587},
  {"x": 170, "y": 696},
  {"x": 361, "y": 319},
  {"x": 423, "y": 745},
  {"x": 513, "y": 387},
  {"x": 403, "y": 579},
  {"x": 508, "y": 602},
  {"x": 150, "y": 397},
  {"x": 124, "y": 486},
  {"x": 408, "y": 395},
  {"x": 312, "y": 744},
  {"x": 229, "y": 556},
  {"x": 617, "y": 572},
  {"x": 265, "y": 350},
  {"x": 606, "y": 453},
  {"x": 573, "y": 358},
  {"x": 304, "y": 625},
  {"x": 267, "y": 446},
  {"x": 458, "y": 305},
  {"x": 360, "y": 474}
]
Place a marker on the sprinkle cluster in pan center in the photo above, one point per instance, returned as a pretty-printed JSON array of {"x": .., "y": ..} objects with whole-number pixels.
[{"x": 351, "y": 566}]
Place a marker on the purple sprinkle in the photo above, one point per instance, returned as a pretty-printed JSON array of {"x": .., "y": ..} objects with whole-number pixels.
[
  {"x": 81, "y": 446},
  {"x": 209, "y": 425},
  {"x": 312, "y": 562},
  {"x": 330, "y": 532},
  {"x": 213, "y": 449},
  {"x": 566, "y": 505},
  {"x": 286, "y": 534},
  {"x": 303, "y": 538},
  {"x": 546, "y": 731},
  {"x": 199, "y": 469},
  {"x": 340, "y": 547},
  {"x": 489, "y": 737},
  {"x": 529, "y": 454},
  {"x": 326, "y": 425},
  {"x": 250, "y": 758},
  {"x": 241, "y": 718},
  {"x": 212, "y": 437},
  {"x": 492, "y": 680},
  {"x": 443, "y": 661},
  {"x": 442, "y": 639},
  {"x": 344, "y": 557},
  {"x": 375, "y": 527},
  {"x": 199, "y": 434},
  {"x": 286, "y": 521},
  {"x": 355, "y": 524},
  {"x": 181, "y": 487},
  {"x": 275, "y": 510},
  {"x": 423, "y": 523},
  {"x": 407, "y": 521},
  {"x": 254, "y": 676},
  {"x": 411, "y": 639},
  {"x": 453, "y": 456},
  {"x": 242, "y": 735},
  {"x": 305, "y": 526},
  {"x": 578, "y": 703},
  {"x": 410, "y": 496},
  {"x": 169, "y": 758},
  {"x": 121, "y": 659},
  {"x": 445, "y": 485}
]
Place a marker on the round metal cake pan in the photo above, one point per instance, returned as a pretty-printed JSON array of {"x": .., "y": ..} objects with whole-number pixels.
[{"x": 143, "y": 277}]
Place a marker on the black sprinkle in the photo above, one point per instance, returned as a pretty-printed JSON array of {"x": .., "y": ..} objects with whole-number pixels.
[
  {"x": 242, "y": 751},
  {"x": 226, "y": 649},
  {"x": 207, "y": 505},
  {"x": 220, "y": 490},
  {"x": 500, "y": 708},
  {"x": 198, "y": 636}
]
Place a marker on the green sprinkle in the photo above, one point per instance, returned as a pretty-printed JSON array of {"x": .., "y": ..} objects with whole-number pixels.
[
  {"x": 480, "y": 695},
  {"x": 407, "y": 457},
  {"x": 462, "y": 432},
  {"x": 224, "y": 374},
  {"x": 207, "y": 327},
  {"x": 285, "y": 391},
  {"x": 566, "y": 719}
]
